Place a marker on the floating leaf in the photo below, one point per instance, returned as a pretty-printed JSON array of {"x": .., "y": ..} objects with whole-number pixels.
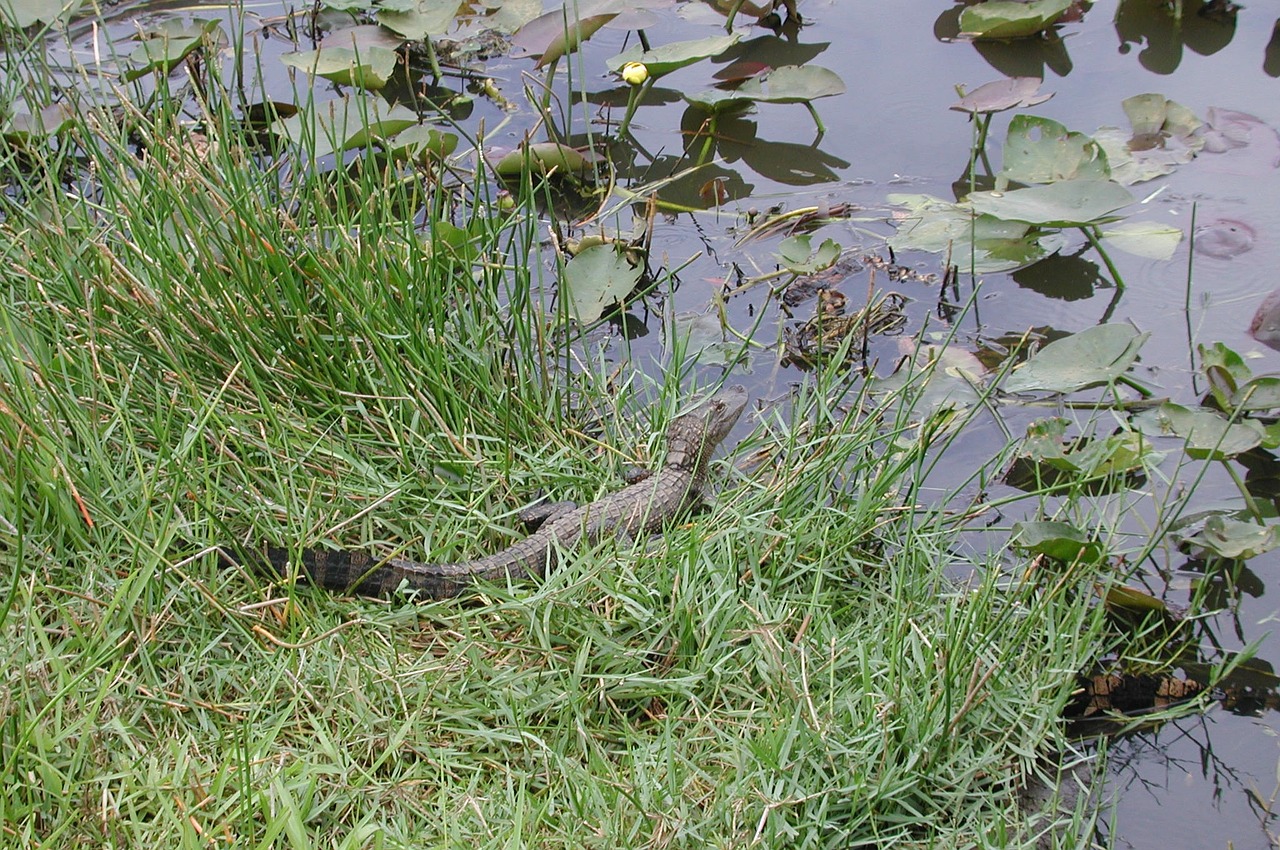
[
  {"x": 1207, "y": 434},
  {"x": 416, "y": 20},
  {"x": 671, "y": 57},
  {"x": 368, "y": 67},
  {"x": 421, "y": 144},
  {"x": 554, "y": 34},
  {"x": 793, "y": 84},
  {"x": 1164, "y": 136},
  {"x": 542, "y": 158},
  {"x": 1092, "y": 357},
  {"x": 1057, "y": 540},
  {"x": 798, "y": 258},
  {"x": 168, "y": 44},
  {"x": 1231, "y": 538},
  {"x": 599, "y": 277},
  {"x": 1070, "y": 203},
  {"x": 23, "y": 13},
  {"x": 50, "y": 121},
  {"x": 1008, "y": 19},
  {"x": 978, "y": 244},
  {"x": 1039, "y": 150},
  {"x": 1144, "y": 239},
  {"x": 1265, "y": 327},
  {"x": 1000, "y": 95},
  {"x": 346, "y": 124},
  {"x": 705, "y": 339},
  {"x": 1224, "y": 239}
]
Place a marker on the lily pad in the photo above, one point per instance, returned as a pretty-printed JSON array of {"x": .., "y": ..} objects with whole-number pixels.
[
  {"x": 1060, "y": 541},
  {"x": 366, "y": 67},
  {"x": 542, "y": 158},
  {"x": 1069, "y": 203},
  {"x": 798, "y": 257},
  {"x": 1040, "y": 150},
  {"x": 23, "y": 13},
  {"x": 997, "y": 96},
  {"x": 793, "y": 84},
  {"x": 671, "y": 57},
  {"x": 1232, "y": 538},
  {"x": 1265, "y": 327},
  {"x": 978, "y": 244},
  {"x": 597, "y": 278},
  {"x": 1207, "y": 434},
  {"x": 421, "y": 144},
  {"x": 168, "y": 44},
  {"x": 1224, "y": 239},
  {"x": 556, "y": 33},
  {"x": 1093, "y": 357},
  {"x": 1116, "y": 454},
  {"x": 1164, "y": 136},
  {"x": 1144, "y": 239},
  {"x": 49, "y": 121},
  {"x": 997, "y": 19},
  {"x": 418, "y": 19},
  {"x": 346, "y": 124}
]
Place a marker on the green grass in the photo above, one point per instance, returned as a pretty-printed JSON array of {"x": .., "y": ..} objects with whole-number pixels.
[{"x": 213, "y": 352}]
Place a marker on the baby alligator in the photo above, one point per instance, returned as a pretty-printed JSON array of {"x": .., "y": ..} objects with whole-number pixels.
[{"x": 634, "y": 510}]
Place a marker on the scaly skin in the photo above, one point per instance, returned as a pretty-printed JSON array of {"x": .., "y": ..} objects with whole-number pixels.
[{"x": 634, "y": 510}]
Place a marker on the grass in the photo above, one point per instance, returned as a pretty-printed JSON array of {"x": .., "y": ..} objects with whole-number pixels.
[{"x": 215, "y": 351}]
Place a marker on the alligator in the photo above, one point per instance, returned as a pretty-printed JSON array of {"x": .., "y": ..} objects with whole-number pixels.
[{"x": 638, "y": 508}]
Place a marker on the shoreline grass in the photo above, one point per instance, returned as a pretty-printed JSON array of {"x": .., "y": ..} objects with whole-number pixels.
[{"x": 194, "y": 356}]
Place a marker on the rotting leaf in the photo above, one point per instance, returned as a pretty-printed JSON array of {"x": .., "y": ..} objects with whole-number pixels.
[
  {"x": 1095, "y": 356},
  {"x": 999, "y": 95},
  {"x": 597, "y": 278},
  {"x": 1206, "y": 433},
  {"x": 1164, "y": 135}
]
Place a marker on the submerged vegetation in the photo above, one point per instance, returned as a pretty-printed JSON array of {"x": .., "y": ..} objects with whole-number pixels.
[{"x": 229, "y": 319}]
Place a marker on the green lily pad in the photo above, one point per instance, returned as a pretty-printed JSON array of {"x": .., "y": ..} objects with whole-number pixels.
[
  {"x": 978, "y": 244},
  {"x": 704, "y": 339},
  {"x": 421, "y": 144},
  {"x": 1060, "y": 541},
  {"x": 346, "y": 124},
  {"x": 23, "y": 13},
  {"x": 1115, "y": 454},
  {"x": 672, "y": 57},
  {"x": 793, "y": 84},
  {"x": 798, "y": 257},
  {"x": 168, "y": 44},
  {"x": 1069, "y": 203},
  {"x": 597, "y": 278},
  {"x": 367, "y": 67},
  {"x": 417, "y": 20},
  {"x": 1093, "y": 357},
  {"x": 542, "y": 158},
  {"x": 1039, "y": 150},
  {"x": 1208, "y": 435},
  {"x": 996, "y": 19},
  {"x": 1144, "y": 239},
  {"x": 1232, "y": 538}
]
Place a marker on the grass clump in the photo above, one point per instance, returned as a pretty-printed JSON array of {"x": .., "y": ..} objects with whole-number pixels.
[{"x": 206, "y": 353}]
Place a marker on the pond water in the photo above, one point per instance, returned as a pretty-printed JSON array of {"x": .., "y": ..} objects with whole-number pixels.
[{"x": 1206, "y": 780}]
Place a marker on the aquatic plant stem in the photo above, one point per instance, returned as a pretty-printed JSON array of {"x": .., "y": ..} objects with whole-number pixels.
[
  {"x": 1090, "y": 233},
  {"x": 636, "y": 95}
]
